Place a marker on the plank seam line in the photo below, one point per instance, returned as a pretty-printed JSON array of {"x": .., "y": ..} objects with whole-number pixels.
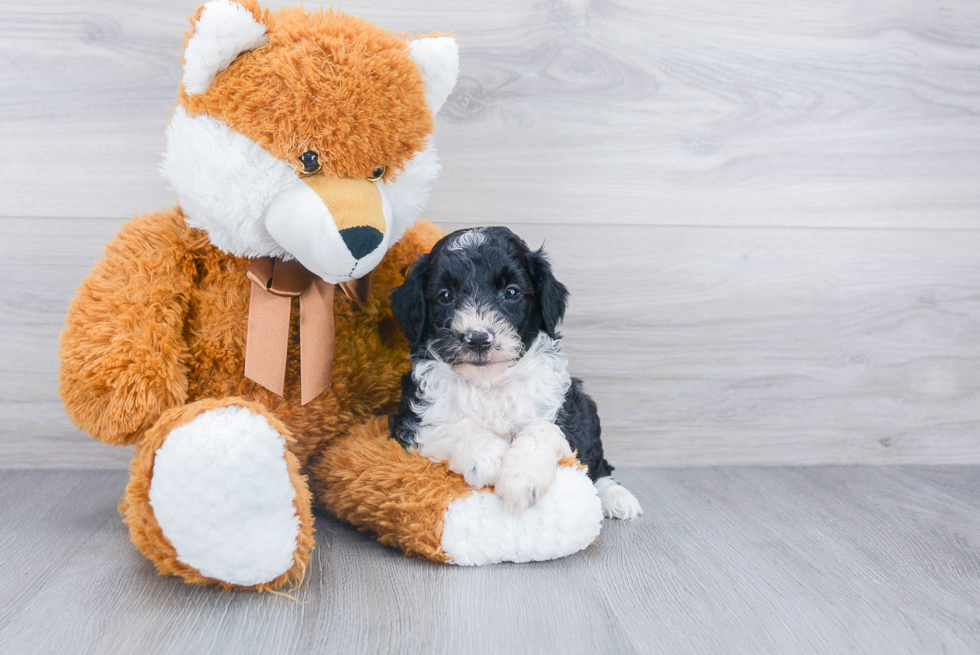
[{"x": 678, "y": 226}]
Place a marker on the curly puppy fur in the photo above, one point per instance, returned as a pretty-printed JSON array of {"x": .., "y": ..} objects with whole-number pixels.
[{"x": 488, "y": 392}]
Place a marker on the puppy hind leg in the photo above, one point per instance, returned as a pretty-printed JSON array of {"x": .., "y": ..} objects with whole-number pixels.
[{"x": 617, "y": 501}]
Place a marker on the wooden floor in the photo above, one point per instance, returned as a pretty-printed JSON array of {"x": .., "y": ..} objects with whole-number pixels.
[{"x": 782, "y": 560}]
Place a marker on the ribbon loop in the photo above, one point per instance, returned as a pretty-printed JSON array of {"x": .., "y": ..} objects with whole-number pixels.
[{"x": 278, "y": 277}]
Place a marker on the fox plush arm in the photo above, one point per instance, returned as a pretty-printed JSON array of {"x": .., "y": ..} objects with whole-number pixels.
[{"x": 123, "y": 356}]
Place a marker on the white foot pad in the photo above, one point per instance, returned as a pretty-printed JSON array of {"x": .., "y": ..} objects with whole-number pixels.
[
  {"x": 479, "y": 530},
  {"x": 222, "y": 495}
]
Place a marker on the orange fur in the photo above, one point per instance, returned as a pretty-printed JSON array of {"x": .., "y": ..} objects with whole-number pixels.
[
  {"x": 326, "y": 82},
  {"x": 124, "y": 358},
  {"x": 161, "y": 321},
  {"x": 370, "y": 481},
  {"x": 157, "y": 332}
]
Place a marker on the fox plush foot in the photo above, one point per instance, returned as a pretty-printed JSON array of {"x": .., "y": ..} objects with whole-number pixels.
[
  {"x": 421, "y": 507},
  {"x": 216, "y": 497}
]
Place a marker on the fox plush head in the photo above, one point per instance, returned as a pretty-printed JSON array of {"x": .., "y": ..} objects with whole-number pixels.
[{"x": 305, "y": 135}]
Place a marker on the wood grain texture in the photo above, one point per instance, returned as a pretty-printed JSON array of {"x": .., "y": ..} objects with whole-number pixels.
[
  {"x": 38, "y": 435},
  {"x": 743, "y": 560},
  {"x": 767, "y": 212},
  {"x": 702, "y": 346},
  {"x": 682, "y": 112}
]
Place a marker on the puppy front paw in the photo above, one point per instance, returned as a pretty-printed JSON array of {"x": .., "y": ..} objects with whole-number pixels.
[
  {"x": 617, "y": 501},
  {"x": 523, "y": 480},
  {"x": 544, "y": 437},
  {"x": 484, "y": 462}
]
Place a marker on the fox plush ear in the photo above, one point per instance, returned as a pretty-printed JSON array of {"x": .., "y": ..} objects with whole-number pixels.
[
  {"x": 438, "y": 59},
  {"x": 223, "y": 30}
]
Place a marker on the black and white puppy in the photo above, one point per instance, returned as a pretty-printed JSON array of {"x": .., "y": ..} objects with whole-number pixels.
[{"x": 489, "y": 393}]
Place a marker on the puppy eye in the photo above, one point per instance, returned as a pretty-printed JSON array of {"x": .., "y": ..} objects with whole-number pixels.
[
  {"x": 445, "y": 296},
  {"x": 311, "y": 163},
  {"x": 377, "y": 173},
  {"x": 512, "y": 293}
]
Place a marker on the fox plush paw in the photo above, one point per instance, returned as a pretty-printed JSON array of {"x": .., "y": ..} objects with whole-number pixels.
[{"x": 218, "y": 498}]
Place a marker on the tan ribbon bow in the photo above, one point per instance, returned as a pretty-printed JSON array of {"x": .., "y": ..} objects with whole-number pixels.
[{"x": 274, "y": 284}]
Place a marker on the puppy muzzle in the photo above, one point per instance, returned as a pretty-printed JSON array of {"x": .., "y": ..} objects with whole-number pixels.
[{"x": 478, "y": 341}]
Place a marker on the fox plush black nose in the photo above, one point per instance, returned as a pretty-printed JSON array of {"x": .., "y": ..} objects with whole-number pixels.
[
  {"x": 478, "y": 341},
  {"x": 361, "y": 240}
]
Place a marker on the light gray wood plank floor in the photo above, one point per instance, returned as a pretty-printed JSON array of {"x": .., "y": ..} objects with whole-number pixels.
[{"x": 782, "y": 560}]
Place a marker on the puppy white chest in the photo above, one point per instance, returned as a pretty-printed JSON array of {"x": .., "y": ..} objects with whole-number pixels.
[{"x": 532, "y": 389}]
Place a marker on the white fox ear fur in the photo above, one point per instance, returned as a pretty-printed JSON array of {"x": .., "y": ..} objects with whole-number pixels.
[
  {"x": 438, "y": 59},
  {"x": 225, "y": 30}
]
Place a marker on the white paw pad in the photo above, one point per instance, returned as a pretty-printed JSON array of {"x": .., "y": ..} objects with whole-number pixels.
[
  {"x": 221, "y": 493},
  {"x": 617, "y": 501}
]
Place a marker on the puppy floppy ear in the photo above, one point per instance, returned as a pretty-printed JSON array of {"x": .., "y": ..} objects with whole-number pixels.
[
  {"x": 408, "y": 302},
  {"x": 550, "y": 294}
]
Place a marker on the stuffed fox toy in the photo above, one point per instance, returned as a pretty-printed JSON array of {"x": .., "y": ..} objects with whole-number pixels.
[{"x": 243, "y": 340}]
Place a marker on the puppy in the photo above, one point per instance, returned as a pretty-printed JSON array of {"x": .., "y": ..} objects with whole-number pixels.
[{"x": 489, "y": 393}]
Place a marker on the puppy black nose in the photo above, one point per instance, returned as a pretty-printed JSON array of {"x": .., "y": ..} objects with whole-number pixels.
[
  {"x": 478, "y": 341},
  {"x": 361, "y": 240}
]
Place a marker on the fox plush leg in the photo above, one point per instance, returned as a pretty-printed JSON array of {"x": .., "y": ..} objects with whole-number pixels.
[
  {"x": 426, "y": 510},
  {"x": 215, "y": 497}
]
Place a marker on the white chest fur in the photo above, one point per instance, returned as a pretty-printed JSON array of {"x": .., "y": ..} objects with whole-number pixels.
[{"x": 533, "y": 389}]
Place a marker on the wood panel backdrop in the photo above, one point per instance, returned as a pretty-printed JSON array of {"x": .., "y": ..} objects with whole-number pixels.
[{"x": 767, "y": 211}]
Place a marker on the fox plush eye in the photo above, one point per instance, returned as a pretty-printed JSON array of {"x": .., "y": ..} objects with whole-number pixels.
[
  {"x": 512, "y": 293},
  {"x": 311, "y": 162},
  {"x": 377, "y": 173},
  {"x": 445, "y": 296}
]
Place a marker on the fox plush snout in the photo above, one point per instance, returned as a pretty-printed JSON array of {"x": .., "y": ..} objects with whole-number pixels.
[
  {"x": 337, "y": 227},
  {"x": 357, "y": 209}
]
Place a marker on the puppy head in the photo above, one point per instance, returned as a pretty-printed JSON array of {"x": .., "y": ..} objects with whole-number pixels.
[{"x": 478, "y": 300}]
